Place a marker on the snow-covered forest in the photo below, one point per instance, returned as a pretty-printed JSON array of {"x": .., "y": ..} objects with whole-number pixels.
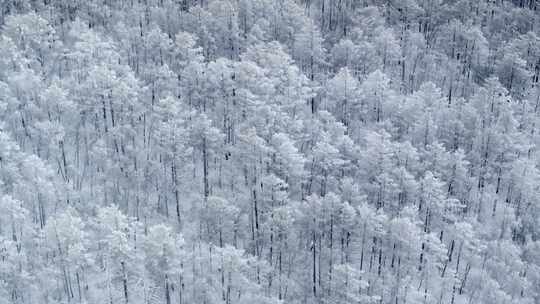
[{"x": 270, "y": 151}]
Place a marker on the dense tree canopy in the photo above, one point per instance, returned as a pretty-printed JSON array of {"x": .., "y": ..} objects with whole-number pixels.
[{"x": 270, "y": 151}]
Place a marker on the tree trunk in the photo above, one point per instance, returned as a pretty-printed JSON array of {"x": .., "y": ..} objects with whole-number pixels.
[{"x": 124, "y": 282}]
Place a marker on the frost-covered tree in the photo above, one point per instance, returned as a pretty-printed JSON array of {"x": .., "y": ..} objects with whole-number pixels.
[{"x": 291, "y": 151}]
